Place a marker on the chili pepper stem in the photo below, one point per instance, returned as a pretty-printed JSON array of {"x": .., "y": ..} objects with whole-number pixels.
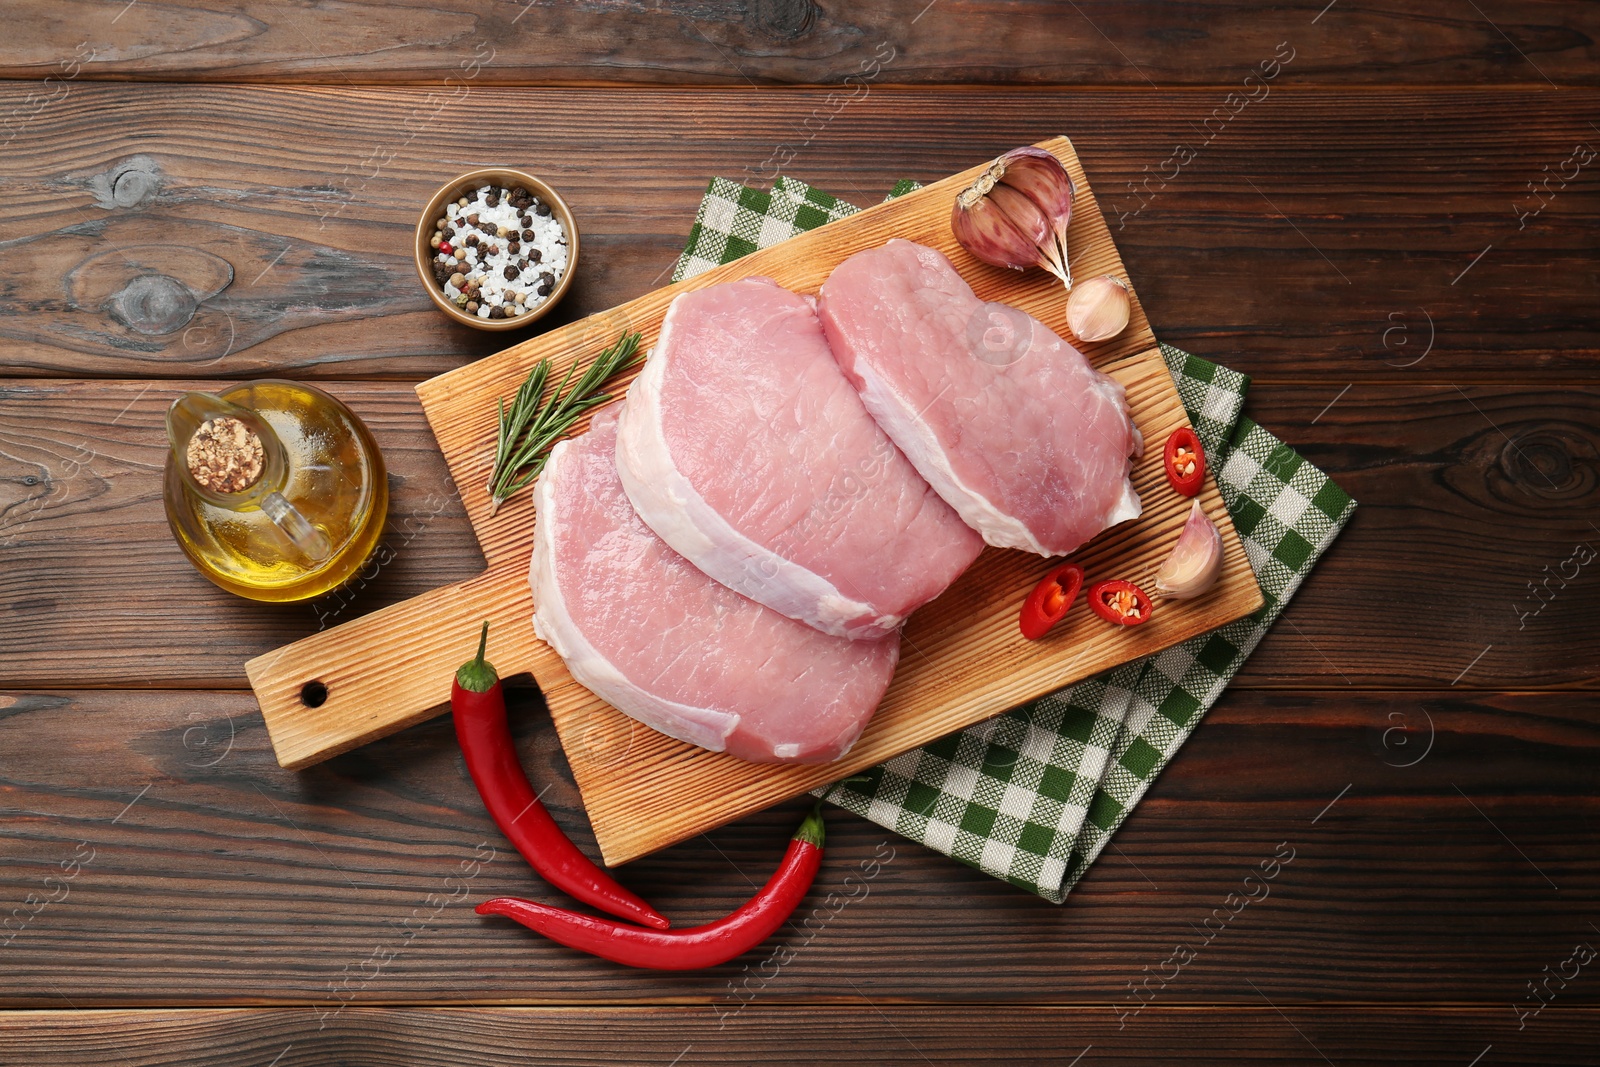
[
  {"x": 812, "y": 830},
  {"x": 478, "y": 675}
]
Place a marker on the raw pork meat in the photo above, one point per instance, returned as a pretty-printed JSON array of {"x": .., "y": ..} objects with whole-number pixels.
[
  {"x": 648, "y": 632},
  {"x": 742, "y": 446},
  {"x": 1012, "y": 426}
]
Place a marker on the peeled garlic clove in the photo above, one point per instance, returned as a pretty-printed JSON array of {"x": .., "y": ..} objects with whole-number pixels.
[
  {"x": 1196, "y": 560},
  {"x": 1098, "y": 309},
  {"x": 1030, "y": 190},
  {"x": 983, "y": 229}
]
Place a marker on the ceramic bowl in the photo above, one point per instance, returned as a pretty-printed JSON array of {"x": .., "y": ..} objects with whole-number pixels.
[{"x": 460, "y": 186}]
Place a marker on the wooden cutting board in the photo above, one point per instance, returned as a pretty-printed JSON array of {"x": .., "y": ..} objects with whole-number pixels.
[{"x": 962, "y": 659}]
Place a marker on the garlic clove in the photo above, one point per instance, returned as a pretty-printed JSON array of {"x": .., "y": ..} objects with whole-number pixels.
[
  {"x": 985, "y": 230},
  {"x": 1029, "y": 189},
  {"x": 1024, "y": 215},
  {"x": 1042, "y": 179},
  {"x": 1195, "y": 562},
  {"x": 1098, "y": 309}
]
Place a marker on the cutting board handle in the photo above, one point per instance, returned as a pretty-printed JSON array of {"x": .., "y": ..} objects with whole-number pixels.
[{"x": 367, "y": 678}]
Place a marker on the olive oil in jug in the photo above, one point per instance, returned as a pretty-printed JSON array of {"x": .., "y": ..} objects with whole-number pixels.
[{"x": 274, "y": 489}]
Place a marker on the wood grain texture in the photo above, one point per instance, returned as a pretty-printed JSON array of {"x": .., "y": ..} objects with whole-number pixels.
[
  {"x": 274, "y": 224},
  {"x": 887, "y": 1034},
  {"x": 1400, "y": 190},
  {"x": 232, "y": 881},
  {"x": 1467, "y": 552},
  {"x": 1455, "y": 509},
  {"x": 962, "y": 662},
  {"x": 80, "y": 469},
  {"x": 788, "y": 41}
]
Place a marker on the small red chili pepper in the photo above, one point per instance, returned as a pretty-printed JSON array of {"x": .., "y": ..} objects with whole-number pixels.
[
  {"x": 1185, "y": 462},
  {"x": 1050, "y": 599},
  {"x": 1120, "y": 602},
  {"x": 478, "y": 705},
  {"x": 444, "y": 246},
  {"x": 697, "y": 946}
]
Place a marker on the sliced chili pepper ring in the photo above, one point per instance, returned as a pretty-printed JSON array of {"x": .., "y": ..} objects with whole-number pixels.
[
  {"x": 1049, "y": 601},
  {"x": 1119, "y": 602},
  {"x": 1185, "y": 462}
]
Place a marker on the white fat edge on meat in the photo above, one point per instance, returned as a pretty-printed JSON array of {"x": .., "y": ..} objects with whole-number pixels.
[
  {"x": 672, "y": 507},
  {"x": 915, "y": 437},
  {"x": 1128, "y": 505},
  {"x": 705, "y": 727}
]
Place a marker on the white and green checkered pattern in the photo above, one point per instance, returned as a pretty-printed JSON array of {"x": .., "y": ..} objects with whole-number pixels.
[
  {"x": 1034, "y": 795},
  {"x": 735, "y": 220}
]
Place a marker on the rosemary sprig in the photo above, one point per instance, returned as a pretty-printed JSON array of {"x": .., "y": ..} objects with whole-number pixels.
[{"x": 533, "y": 424}]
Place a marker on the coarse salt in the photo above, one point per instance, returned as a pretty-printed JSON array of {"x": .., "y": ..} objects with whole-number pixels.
[{"x": 539, "y": 263}]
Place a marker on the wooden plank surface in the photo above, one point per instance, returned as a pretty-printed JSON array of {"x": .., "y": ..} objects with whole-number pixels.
[
  {"x": 1423, "y": 824},
  {"x": 1367, "y": 206},
  {"x": 1378, "y": 193},
  {"x": 778, "y": 41},
  {"x": 886, "y": 1034}
]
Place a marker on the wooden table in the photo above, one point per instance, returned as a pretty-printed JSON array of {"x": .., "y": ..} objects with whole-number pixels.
[{"x": 1358, "y": 232}]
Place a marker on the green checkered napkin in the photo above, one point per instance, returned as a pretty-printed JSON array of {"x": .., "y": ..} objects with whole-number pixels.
[{"x": 1034, "y": 795}]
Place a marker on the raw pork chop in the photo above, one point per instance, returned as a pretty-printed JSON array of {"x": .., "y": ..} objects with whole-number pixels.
[
  {"x": 1007, "y": 421},
  {"x": 648, "y": 632},
  {"x": 742, "y": 446}
]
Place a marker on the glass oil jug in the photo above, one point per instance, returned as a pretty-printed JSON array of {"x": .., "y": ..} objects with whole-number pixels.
[{"x": 274, "y": 489}]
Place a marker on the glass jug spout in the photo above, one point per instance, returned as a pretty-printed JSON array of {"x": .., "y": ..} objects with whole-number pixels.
[{"x": 229, "y": 457}]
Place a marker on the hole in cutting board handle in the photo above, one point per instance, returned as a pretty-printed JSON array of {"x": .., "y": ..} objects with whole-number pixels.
[{"x": 313, "y": 694}]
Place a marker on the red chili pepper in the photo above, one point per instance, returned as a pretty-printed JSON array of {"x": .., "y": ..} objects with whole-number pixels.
[
  {"x": 1185, "y": 462},
  {"x": 1050, "y": 599},
  {"x": 697, "y": 946},
  {"x": 479, "y": 708},
  {"x": 1120, "y": 602}
]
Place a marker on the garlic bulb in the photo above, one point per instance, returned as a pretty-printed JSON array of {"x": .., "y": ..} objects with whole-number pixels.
[
  {"x": 1015, "y": 215},
  {"x": 1196, "y": 560},
  {"x": 1098, "y": 309}
]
